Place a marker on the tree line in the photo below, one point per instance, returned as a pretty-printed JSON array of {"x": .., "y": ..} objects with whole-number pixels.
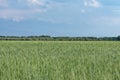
[{"x": 50, "y": 38}]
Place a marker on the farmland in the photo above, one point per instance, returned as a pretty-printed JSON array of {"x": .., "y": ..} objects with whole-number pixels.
[{"x": 55, "y": 60}]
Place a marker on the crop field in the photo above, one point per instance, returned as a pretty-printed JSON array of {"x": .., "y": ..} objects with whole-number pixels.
[{"x": 55, "y": 60}]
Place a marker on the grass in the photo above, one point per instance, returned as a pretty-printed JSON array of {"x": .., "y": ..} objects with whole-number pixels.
[{"x": 85, "y": 60}]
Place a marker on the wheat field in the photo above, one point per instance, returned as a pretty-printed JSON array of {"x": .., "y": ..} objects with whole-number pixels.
[{"x": 55, "y": 60}]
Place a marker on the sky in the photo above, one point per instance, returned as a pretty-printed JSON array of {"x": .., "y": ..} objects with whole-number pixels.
[{"x": 97, "y": 18}]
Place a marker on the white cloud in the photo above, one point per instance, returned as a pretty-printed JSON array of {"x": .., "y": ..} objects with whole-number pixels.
[
  {"x": 82, "y": 10},
  {"x": 18, "y": 15},
  {"x": 14, "y": 14},
  {"x": 54, "y": 20},
  {"x": 105, "y": 21},
  {"x": 92, "y": 3},
  {"x": 36, "y": 2},
  {"x": 3, "y": 3},
  {"x": 17, "y": 18}
]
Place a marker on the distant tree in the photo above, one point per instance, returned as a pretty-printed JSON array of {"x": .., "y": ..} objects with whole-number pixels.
[{"x": 118, "y": 38}]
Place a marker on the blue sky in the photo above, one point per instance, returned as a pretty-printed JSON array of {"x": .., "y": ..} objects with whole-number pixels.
[{"x": 60, "y": 17}]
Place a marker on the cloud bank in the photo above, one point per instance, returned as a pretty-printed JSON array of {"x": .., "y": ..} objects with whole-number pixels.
[
  {"x": 21, "y": 9},
  {"x": 25, "y": 9},
  {"x": 3, "y": 3},
  {"x": 92, "y": 3}
]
